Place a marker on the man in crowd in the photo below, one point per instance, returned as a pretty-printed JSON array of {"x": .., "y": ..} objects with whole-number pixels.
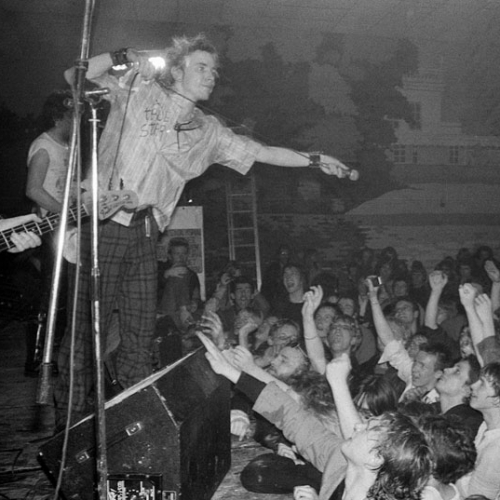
[
  {"x": 485, "y": 478},
  {"x": 181, "y": 292},
  {"x": 454, "y": 389}
]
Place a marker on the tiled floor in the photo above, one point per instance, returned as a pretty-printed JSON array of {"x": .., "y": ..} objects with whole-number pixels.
[{"x": 24, "y": 425}]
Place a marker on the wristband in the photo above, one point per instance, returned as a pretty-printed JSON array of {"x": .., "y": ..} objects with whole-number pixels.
[
  {"x": 314, "y": 160},
  {"x": 119, "y": 57}
]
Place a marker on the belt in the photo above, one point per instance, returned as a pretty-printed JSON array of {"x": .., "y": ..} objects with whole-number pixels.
[{"x": 141, "y": 214}]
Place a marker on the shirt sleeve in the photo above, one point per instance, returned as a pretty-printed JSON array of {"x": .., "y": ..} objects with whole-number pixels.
[
  {"x": 397, "y": 356},
  {"x": 313, "y": 440},
  {"x": 237, "y": 152}
]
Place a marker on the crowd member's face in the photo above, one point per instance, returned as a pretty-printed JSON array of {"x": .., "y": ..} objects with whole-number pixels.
[
  {"x": 243, "y": 295},
  {"x": 323, "y": 320},
  {"x": 417, "y": 278},
  {"x": 466, "y": 346},
  {"x": 347, "y": 306},
  {"x": 465, "y": 272},
  {"x": 400, "y": 289},
  {"x": 423, "y": 372},
  {"x": 284, "y": 335},
  {"x": 483, "y": 395},
  {"x": 265, "y": 327},
  {"x": 442, "y": 315},
  {"x": 287, "y": 363},
  {"x": 385, "y": 272},
  {"x": 292, "y": 280},
  {"x": 404, "y": 312},
  {"x": 179, "y": 255},
  {"x": 454, "y": 380},
  {"x": 340, "y": 337},
  {"x": 196, "y": 78},
  {"x": 65, "y": 124},
  {"x": 284, "y": 256}
]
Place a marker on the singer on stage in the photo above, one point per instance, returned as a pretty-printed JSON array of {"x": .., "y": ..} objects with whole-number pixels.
[{"x": 154, "y": 141}]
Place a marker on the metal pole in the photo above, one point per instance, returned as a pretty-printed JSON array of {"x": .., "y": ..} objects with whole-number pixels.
[
  {"x": 44, "y": 395},
  {"x": 100, "y": 414}
]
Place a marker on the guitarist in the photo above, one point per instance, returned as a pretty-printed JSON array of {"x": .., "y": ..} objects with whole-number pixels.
[
  {"x": 47, "y": 170},
  {"x": 155, "y": 140}
]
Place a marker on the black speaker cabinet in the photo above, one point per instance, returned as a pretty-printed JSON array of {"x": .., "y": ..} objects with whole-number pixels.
[{"x": 167, "y": 438}]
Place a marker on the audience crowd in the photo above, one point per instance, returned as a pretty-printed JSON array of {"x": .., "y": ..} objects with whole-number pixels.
[{"x": 380, "y": 382}]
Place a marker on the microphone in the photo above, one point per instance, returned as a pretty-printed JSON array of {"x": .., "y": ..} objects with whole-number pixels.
[
  {"x": 346, "y": 173},
  {"x": 89, "y": 94},
  {"x": 96, "y": 92},
  {"x": 350, "y": 173}
]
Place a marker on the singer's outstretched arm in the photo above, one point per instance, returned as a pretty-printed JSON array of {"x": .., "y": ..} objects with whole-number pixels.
[{"x": 289, "y": 158}]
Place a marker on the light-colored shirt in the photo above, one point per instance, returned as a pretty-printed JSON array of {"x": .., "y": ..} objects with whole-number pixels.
[
  {"x": 142, "y": 150},
  {"x": 57, "y": 171},
  {"x": 485, "y": 478},
  {"x": 431, "y": 493}
]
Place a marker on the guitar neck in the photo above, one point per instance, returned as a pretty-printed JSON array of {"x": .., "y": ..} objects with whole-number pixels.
[{"x": 47, "y": 225}]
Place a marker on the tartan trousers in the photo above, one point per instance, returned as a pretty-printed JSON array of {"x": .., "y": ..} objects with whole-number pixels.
[{"x": 128, "y": 279}]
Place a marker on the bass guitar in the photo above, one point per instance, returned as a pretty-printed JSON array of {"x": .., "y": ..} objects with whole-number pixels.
[{"x": 109, "y": 203}]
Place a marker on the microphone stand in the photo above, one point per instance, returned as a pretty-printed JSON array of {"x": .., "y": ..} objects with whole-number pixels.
[
  {"x": 100, "y": 412},
  {"x": 44, "y": 393}
]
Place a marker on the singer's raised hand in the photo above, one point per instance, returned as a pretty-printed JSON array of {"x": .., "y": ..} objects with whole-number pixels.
[{"x": 141, "y": 63}]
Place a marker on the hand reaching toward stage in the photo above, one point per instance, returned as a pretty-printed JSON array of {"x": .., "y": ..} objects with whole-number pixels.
[
  {"x": 467, "y": 295},
  {"x": 337, "y": 373},
  {"x": 338, "y": 370},
  {"x": 312, "y": 300},
  {"x": 212, "y": 325},
  {"x": 243, "y": 359},
  {"x": 218, "y": 360},
  {"x": 240, "y": 424},
  {"x": 372, "y": 289},
  {"x": 304, "y": 493},
  {"x": 482, "y": 304},
  {"x": 438, "y": 280}
]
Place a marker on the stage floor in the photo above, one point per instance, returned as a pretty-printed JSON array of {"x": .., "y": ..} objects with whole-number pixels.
[{"x": 24, "y": 425}]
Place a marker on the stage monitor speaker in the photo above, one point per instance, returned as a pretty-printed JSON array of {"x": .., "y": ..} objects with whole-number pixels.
[{"x": 168, "y": 438}]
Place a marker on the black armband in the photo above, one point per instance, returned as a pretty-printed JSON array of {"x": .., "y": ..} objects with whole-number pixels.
[
  {"x": 250, "y": 386},
  {"x": 314, "y": 160},
  {"x": 119, "y": 57}
]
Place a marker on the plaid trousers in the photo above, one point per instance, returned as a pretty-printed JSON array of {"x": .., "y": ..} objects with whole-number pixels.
[{"x": 128, "y": 279}]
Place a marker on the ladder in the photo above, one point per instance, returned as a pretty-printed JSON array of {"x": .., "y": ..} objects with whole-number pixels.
[{"x": 243, "y": 233}]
